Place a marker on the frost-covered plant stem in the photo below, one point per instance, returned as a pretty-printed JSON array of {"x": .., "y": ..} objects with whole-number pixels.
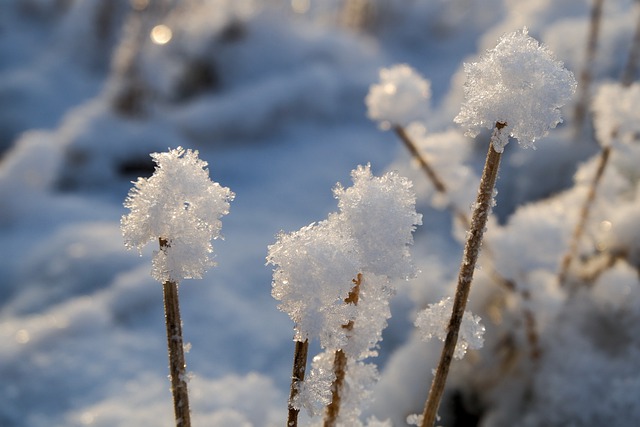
[
  {"x": 297, "y": 377},
  {"x": 465, "y": 277},
  {"x": 583, "y": 217},
  {"x": 175, "y": 346},
  {"x": 586, "y": 73},
  {"x": 340, "y": 364}
]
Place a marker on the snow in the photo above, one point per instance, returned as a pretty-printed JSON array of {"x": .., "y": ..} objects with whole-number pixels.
[
  {"x": 181, "y": 208},
  {"x": 517, "y": 83},
  {"x": 401, "y": 97},
  {"x": 433, "y": 321},
  {"x": 272, "y": 95}
]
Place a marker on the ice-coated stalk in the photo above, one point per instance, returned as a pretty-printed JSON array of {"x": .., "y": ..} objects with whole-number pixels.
[
  {"x": 340, "y": 364},
  {"x": 175, "y": 346},
  {"x": 297, "y": 377},
  {"x": 465, "y": 277}
]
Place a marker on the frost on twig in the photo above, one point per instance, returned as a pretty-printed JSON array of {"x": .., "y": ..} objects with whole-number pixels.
[
  {"x": 517, "y": 90},
  {"x": 365, "y": 244},
  {"x": 518, "y": 83},
  {"x": 182, "y": 206}
]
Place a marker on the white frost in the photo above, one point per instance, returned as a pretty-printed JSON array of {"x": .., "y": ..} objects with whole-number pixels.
[
  {"x": 433, "y": 322},
  {"x": 380, "y": 214},
  {"x": 518, "y": 83},
  {"x": 401, "y": 97},
  {"x": 181, "y": 205}
]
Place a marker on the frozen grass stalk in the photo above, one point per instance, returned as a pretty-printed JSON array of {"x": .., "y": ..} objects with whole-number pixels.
[
  {"x": 340, "y": 363},
  {"x": 297, "y": 378},
  {"x": 180, "y": 207},
  {"x": 516, "y": 89}
]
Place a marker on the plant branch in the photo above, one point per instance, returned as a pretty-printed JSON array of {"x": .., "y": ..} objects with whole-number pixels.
[
  {"x": 586, "y": 73},
  {"x": 465, "y": 277},
  {"x": 340, "y": 363},
  {"x": 578, "y": 231},
  {"x": 297, "y": 377},
  {"x": 177, "y": 365}
]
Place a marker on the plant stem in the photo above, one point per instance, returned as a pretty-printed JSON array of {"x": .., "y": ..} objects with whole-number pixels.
[
  {"x": 586, "y": 73},
  {"x": 297, "y": 377},
  {"x": 340, "y": 363},
  {"x": 465, "y": 277},
  {"x": 177, "y": 365},
  {"x": 506, "y": 284},
  {"x": 569, "y": 256}
]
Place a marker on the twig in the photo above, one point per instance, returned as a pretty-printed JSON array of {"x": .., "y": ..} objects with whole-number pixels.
[
  {"x": 340, "y": 364},
  {"x": 297, "y": 377},
  {"x": 465, "y": 276},
  {"x": 578, "y": 231},
  {"x": 177, "y": 365},
  {"x": 586, "y": 73}
]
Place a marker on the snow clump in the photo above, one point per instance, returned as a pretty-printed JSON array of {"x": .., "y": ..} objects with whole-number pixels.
[
  {"x": 401, "y": 97},
  {"x": 380, "y": 214},
  {"x": 180, "y": 205},
  {"x": 315, "y": 266},
  {"x": 360, "y": 249},
  {"x": 519, "y": 84}
]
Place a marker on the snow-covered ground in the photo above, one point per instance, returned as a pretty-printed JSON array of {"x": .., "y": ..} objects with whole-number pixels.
[{"x": 272, "y": 94}]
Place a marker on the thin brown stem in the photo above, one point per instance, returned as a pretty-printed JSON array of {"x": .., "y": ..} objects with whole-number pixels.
[
  {"x": 587, "y": 69},
  {"x": 465, "y": 277},
  {"x": 177, "y": 365},
  {"x": 297, "y": 377},
  {"x": 506, "y": 284},
  {"x": 340, "y": 363},
  {"x": 578, "y": 231}
]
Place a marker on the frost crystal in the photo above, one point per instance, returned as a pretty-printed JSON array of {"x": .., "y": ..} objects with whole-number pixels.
[
  {"x": 518, "y": 83},
  {"x": 617, "y": 113},
  {"x": 314, "y": 393},
  {"x": 315, "y": 268},
  {"x": 433, "y": 322},
  {"x": 180, "y": 205},
  {"x": 381, "y": 215},
  {"x": 401, "y": 97}
]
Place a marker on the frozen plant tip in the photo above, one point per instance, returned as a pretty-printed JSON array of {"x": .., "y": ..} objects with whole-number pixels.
[
  {"x": 333, "y": 279},
  {"x": 180, "y": 208},
  {"x": 517, "y": 83},
  {"x": 517, "y": 90},
  {"x": 401, "y": 97}
]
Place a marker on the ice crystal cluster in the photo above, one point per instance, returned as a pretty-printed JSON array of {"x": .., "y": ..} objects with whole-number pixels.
[
  {"x": 433, "y": 321},
  {"x": 401, "y": 97},
  {"x": 518, "y": 83},
  {"x": 364, "y": 243},
  {"x": 180, "y": 205}
]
